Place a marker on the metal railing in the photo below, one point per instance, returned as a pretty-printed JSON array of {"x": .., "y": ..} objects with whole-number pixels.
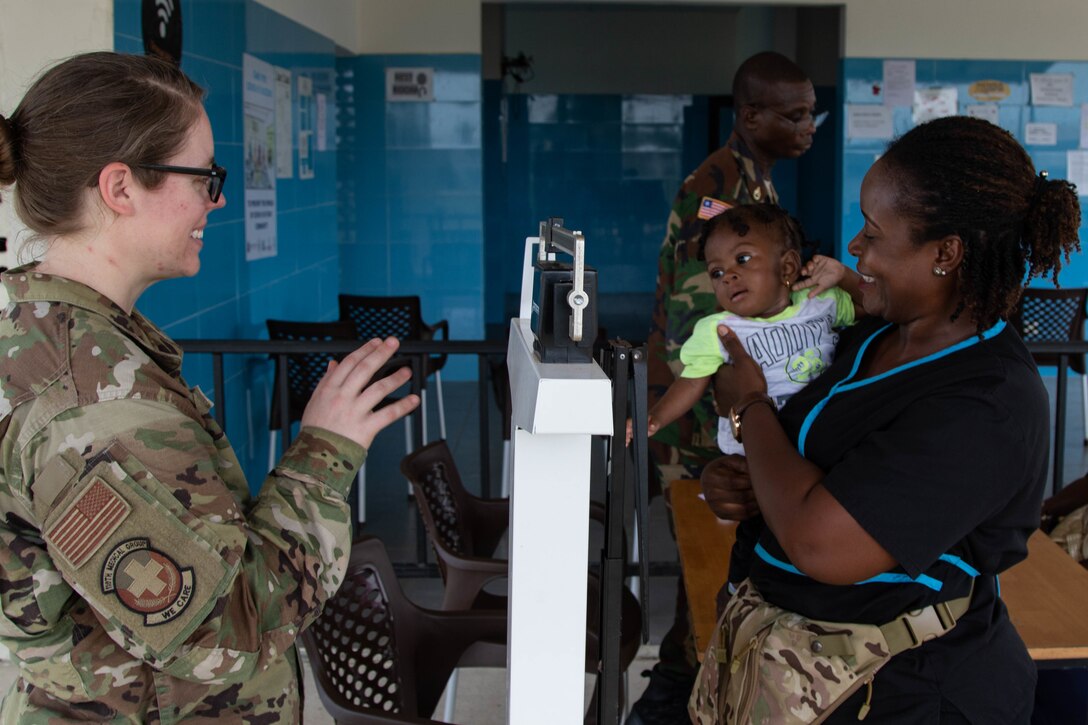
[
  {"x": 1065, "y": 351},
  {"x": 414, "y": 354}
]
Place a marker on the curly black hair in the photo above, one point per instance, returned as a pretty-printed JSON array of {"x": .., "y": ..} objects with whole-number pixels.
[
  {"x": 967, "y": 177},
  {"x": 741, "y": 219}
]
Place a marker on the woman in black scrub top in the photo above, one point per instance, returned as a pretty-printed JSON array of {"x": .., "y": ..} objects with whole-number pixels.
[{"x": 912, "y": 471}]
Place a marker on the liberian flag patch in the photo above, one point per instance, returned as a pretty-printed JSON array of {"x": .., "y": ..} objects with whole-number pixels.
[
  {"x": 710, "y": 207},
  {"x": 87, "y": 523}
]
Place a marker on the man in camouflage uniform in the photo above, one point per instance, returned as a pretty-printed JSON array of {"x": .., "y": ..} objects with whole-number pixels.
[
  {"x": 140, "y": 581},
  {"x": 774, "y": 105}
]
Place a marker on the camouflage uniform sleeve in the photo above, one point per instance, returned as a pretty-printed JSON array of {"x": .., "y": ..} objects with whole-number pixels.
[
  {"x": 136, "y": 507},
  {"x": 658, "y": 373}
]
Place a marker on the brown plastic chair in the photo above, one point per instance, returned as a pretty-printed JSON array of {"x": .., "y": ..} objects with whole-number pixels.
[
  {"x": 465, "y": 530},
  {"x": 1055, "y": 315},
  {"x": 400, "y": 317},
  {"x": 379, "y": 658}
]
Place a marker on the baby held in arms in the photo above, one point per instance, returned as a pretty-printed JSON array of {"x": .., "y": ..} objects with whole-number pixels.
[{"x": 786, "y": 314}]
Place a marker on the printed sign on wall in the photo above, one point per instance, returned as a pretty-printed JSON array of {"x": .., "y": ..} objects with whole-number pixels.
[
  {"x": 409, "y": 84},
  {"x": 259, "y": 141}
]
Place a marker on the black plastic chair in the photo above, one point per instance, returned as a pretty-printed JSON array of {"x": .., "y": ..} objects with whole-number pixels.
[
  {"x": 1055, "y": 315},
  {"x": 379, "y": 658},
  {"x": 400, "y": 317},
  {"x": 304, "y": 372},
  {"x": 465, "y": 530}
]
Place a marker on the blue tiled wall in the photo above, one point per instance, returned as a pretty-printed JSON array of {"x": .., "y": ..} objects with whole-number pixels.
[
  {"x": 231, "y": 298},
  {"x": 610, "y": 165},
  {"x": 860, "y": 75},
  {"x": 411, "y": 191}
]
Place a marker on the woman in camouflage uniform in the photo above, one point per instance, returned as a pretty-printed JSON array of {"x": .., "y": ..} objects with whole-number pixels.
[{"x": 139, "y": 580}]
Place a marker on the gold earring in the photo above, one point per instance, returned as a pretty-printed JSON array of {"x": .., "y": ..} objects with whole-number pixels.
[
  {"x": 940, "y": 271},
  {"x": 787, "y": 283}
]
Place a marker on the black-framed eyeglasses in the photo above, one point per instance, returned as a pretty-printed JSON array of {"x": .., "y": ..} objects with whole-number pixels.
[
  {"x": 801, "y": 119},
  {"x": 217, "y": 176}
]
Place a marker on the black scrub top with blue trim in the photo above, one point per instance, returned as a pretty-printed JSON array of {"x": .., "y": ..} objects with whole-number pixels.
[{"x": 943, "y": 461}]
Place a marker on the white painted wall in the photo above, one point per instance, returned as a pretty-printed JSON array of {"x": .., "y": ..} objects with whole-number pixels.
[
  {"x": 993, "y": 29},
  {"x": 33, "y": 35},
  {"x": 338, "y": 20},
  {"x": 420, "y": 26}
]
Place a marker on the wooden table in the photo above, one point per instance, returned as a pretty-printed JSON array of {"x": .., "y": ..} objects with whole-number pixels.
[{"x": 1046, "y": 594}]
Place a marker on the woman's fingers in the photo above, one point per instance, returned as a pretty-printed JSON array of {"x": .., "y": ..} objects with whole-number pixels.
[
  {"x": 344, "y": 400},
  {"x": 377, "y": 391},
  {"x": 378, "y": 419},
  {"x": 732, "y": 344},
  {"x": 360, "y": 366}
]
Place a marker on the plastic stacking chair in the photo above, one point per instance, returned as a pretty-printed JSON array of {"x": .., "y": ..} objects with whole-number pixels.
[
  {"x": 465, "y": 531},
  {"x": 400, "y": 317},
  {"x": 304, "y": 372},
  {"x": 379, "y": 658},
  {"x": 1055, "y": 315}
]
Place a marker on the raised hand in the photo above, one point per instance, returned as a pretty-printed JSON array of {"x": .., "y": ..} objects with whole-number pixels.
[
  {"x": 820, "y": 274},
  {"x": 343, "y": 402}
]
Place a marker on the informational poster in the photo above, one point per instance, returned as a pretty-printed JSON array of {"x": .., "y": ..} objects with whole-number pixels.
[
  {"x": 899, "y": 82},
  {"x": 259, "y": 141},
  {"x": 1052, "y": 89},
  {"x": 1084, "y": 125},
  {"x": 985, "y": 111},
  {"x": 1041, "y": 134},
  {"x": 931, "y": 103},
  {"x": 306, "y": 115},
  {"x": 320, "y": 120},
  {"x": 1077, "y": 170},
  {"x": 284, "y": 165},
  {"x": 868, "y": 121},
  {"x": 984, "y": 91},
  {"x": 409, "y": 84}
]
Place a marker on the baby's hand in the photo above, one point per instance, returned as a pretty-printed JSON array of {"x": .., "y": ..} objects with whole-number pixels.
[
  {"x": 651, "y": 428},
  {"x": 821, "y": 274}
]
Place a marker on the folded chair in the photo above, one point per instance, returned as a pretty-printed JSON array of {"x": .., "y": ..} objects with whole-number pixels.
[
  {"x": 465, "y": 531},
  {"x": 379, "y": 658}
]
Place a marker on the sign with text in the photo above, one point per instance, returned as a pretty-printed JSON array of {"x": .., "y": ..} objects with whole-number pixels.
[
  {"x": 409, "y": 84},
  {"x": 259, "y": 141}
]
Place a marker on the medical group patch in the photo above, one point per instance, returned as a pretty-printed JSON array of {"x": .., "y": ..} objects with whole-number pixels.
[{"x": 147, "y": 581}]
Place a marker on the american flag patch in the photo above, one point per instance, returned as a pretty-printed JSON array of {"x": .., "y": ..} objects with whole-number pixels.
[
  {"x": 710, "y": 207},
  {"x": 87, "y": 523}
]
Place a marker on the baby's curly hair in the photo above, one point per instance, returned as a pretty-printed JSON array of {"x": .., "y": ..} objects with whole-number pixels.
[{"x": 741, "y": 219}]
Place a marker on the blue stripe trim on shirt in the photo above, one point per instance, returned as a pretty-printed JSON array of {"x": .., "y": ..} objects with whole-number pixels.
[
  {"x": 960, "y": 564},
  {"x": 893, "y": 578},
  {"x": 885, "y": 578},
  {"x": 775, "y": 562},
  {"x": 845, "y": 384}
]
